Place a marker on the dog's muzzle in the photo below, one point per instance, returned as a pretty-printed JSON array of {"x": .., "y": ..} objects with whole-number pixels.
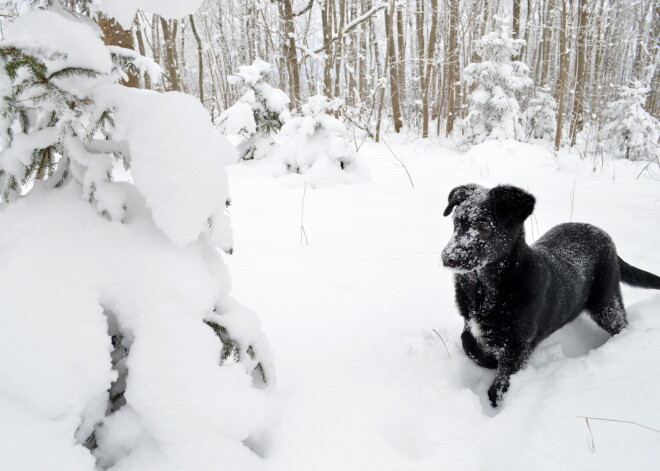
[{"x": 449, "y": 258}]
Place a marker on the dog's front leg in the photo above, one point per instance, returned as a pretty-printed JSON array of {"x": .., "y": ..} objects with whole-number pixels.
[
  {"x": 474, "y": 351},
  {"x": 512, "y": 360}
]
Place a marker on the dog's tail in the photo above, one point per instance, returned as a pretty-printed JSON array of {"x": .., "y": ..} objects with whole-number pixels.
[{"x": 635, "y": 277}]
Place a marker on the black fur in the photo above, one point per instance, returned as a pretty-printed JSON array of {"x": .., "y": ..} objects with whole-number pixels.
[{"x": 513, "y": 295}]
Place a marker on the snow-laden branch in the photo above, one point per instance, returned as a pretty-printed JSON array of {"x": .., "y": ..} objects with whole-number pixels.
[
  {"x": 351, "y": 26},
  {"x": 304, "y": 9}
]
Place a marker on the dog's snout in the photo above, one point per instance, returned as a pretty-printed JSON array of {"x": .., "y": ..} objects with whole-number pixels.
[{"x": 448, "y": 260}]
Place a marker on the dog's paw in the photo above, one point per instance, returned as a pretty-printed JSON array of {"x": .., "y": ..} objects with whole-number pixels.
[{"x": 497, "y": 390}]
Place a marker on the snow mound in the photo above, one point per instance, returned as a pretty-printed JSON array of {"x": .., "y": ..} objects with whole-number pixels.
[{"x": 99, "y": 280}]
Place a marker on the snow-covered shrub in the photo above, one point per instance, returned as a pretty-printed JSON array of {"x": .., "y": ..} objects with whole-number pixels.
[
  {"x": 494, "y": 112},
  {"x": 541, "y": 116},
  {"x": 259, "y": 112},
  {"x": 630, "y": 131},
  {"x": 317, "y": 145},
  {"x": 114, "y": 329}
]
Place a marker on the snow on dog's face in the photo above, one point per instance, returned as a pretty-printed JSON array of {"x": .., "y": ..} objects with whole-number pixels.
[{"x": 487, "y": 224}]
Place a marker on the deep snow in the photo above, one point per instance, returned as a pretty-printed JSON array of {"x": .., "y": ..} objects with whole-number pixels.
[{"x": 365, "y": 383}]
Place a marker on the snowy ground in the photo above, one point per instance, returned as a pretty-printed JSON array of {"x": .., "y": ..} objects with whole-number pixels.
[{"x": 365, "y": 384}]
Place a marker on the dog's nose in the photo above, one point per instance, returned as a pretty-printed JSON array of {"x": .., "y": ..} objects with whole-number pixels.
[{"x": 447, "y": 260}]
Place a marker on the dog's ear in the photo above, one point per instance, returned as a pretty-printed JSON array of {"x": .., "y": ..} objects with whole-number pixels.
[
  {"x": 458, "y": 195},
  {"x": 511, "y": 203}
]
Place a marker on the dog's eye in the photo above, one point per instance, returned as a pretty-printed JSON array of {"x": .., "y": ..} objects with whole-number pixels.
[{"x": 485, "y": 230}]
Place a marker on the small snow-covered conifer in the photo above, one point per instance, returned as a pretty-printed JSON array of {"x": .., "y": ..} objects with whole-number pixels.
[
  {"x": 317, "y": 145},
  {"x": 630, "y": 131},
  {"x": 259, "y": 112},
  {"x": 494, "y": 112},
  {"x": 541, "y": 116},
  {"x": 145, "y": 314}
]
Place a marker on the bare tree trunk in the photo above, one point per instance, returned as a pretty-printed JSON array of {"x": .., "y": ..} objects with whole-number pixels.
[
  {"x": 200, "y": 61},
  {"x": 155, "y": 40},
  {"x": 452, "y": 58},
  {"x": 327, "y": 40},
  {"x": 143, "y": 52},
  {"x": 524, "y": 32},
  {"x": 563, "y": 73},
  {"x": 580, "y": 75},
  {"x": 598, "y": 56},
  {"x": 545, "y": 48},
  {"x": 362, "y": 64},
  {"x": 515, "y": 29},
  {"x": 401, "y": 55},
  {"x": 290, "y": 53},
  {"x": 428, "y": 69},
  {"x": 391, "y": 60},
  {"x": 169, "y": 37},
  {"x": 339, "y": 47},
  {"x": 181, "y": 66},
  {"x": 419, "y": 24}
]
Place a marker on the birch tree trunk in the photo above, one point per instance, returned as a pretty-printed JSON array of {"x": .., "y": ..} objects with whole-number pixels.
[
  {"x": 290, "y": 53},
  {"x": 426, "y": 81},
  {"x": 452, "y": 58},
  {"x": 563, "y": 73},
  {"x": 170, "y": 54},
  {"x": 391, "y": 63},
  {"x": 577, "y": 121},
  {"x": 142, "y": 50}
]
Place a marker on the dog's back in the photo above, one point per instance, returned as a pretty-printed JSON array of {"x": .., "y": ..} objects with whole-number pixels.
[{"x": 583, "y": 271}]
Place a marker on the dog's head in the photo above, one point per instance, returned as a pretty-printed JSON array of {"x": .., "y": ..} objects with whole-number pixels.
[{"x": 487, "y": 224}]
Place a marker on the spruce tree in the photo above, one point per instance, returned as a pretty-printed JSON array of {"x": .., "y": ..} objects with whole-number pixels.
[
  {"x": 54, "y": 131},
  {"x": 630, "y": 131},
  {"x": 259, "y": 113},
  {"x": 51, "y": 129},
  {"x": 494, "y": 112},
  {"x": 541, "y": 116}
]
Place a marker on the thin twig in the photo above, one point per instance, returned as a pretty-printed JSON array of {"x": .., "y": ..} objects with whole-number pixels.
[
  {"x": 590, "y": 439},
  {"x": 303, "y": 233},
  {"x": 620, "y": 421},
  {"x": 400, "y": 162},
  {"x": 443, "y": 342},
  {"x": 647, "y": 166}
]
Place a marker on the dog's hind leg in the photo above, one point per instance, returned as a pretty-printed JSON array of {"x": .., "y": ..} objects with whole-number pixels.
[
  {"x": 610, "y": 315},
  {"x": 476, "y": 352},
  {"x": 605, "y": 304}
]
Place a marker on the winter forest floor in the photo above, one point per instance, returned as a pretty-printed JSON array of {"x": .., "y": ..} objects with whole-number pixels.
[{"x": 363, "y": 381}]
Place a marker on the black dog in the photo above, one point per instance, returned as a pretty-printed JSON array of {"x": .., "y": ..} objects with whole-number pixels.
[{"x": 513, "y": 295}]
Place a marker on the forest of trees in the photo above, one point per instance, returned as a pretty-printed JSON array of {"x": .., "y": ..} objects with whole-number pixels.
[{"x": 399, "y": 63}]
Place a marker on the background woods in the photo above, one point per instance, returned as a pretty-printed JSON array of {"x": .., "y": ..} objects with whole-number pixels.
[
  {"x": 399, "y": 63},
  {"x": 402, "y": 60}
]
